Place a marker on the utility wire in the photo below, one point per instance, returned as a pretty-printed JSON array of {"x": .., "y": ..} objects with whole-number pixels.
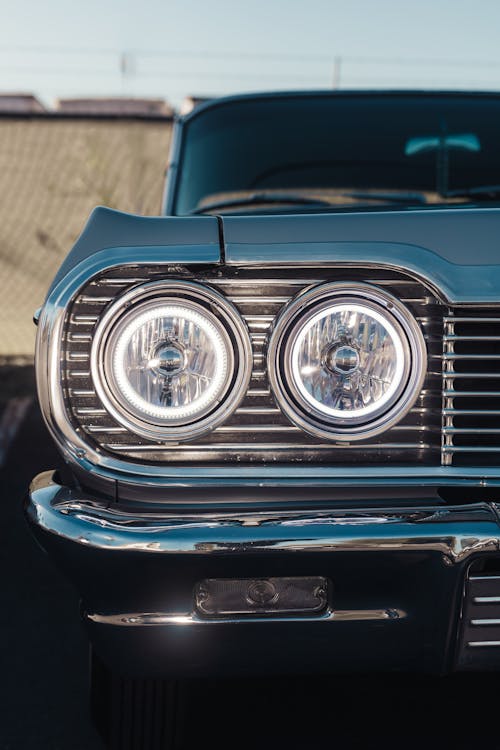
[{"x": 229, "y": 55}]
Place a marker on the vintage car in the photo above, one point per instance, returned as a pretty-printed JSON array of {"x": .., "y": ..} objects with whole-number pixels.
[{"x": 279, "y": 402}]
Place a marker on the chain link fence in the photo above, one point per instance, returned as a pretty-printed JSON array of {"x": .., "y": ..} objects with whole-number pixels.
[{"x": 53, "y": 171}]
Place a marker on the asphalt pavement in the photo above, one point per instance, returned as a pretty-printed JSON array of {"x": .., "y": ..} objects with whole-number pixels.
[{"x": 44, "y": 656}]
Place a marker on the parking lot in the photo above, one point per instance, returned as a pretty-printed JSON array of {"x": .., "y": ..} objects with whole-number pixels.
[{"x": 44, "y": 665}]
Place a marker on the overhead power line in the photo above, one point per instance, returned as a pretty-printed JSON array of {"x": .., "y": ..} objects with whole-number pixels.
[
  {"x": 217, "y": 74},
  {"x": 326, "y": 57}
]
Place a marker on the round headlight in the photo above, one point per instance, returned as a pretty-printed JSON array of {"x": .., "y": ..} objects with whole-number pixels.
[
  {"x": 171, "y": 360},
  {"x": 346, "y": 361}
]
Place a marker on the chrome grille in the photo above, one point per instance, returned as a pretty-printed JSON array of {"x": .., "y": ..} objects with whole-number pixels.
[
  {"x": 479, "y": 644},
  {"x": 258, "y": 431},
  {"x": 471, "y": 388}
]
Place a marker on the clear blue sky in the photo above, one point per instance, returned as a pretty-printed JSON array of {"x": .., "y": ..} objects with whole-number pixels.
[{"x": 177, "y": 47}]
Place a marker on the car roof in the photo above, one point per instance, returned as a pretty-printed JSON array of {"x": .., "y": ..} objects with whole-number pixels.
[{"x": 335, "y": 93}]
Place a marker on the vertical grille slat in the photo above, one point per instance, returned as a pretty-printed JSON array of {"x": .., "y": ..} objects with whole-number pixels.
[
  {"x": 257, "y": 431},
  {"x": 471, "y": 388}
]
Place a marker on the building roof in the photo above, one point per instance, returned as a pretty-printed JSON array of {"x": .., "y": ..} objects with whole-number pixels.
[
  {"x": 115, "y": 106},
  {"x": 13, "y": 103}
]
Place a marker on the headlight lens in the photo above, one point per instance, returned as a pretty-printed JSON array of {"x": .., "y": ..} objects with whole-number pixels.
[
  {"x": 167, "y": 358},
  {"x": 346, "y": 361},
  {"x": 169, "y": 362}
]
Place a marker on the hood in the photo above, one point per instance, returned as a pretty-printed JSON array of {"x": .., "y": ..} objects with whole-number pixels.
[
  {"x": 456, "y": 250},
  {"x": 169, "y": 239}
]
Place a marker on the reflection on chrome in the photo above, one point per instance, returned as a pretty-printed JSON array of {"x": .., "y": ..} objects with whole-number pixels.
[
  {"x": 164, "y": 618},
  {"x": 454, "y": 532}
]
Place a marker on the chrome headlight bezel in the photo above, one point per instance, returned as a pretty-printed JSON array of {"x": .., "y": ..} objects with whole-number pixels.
[
  {"x": 218, "y": 312},
  {"x": 298, "y": 314}
]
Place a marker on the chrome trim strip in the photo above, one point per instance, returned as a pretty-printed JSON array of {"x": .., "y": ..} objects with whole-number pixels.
[
  {"x": 450, "y": 375},
  {"x": 120, "y": 282},
  {"x": 84, "y": 319},
  {"x": 246, "y": 428},
  {"x": 472, "y": 431},
  {"x": 147, "y": 619},
  {"x": 485, "y": 622},
  {"x": 273, "y": 282},
  {"x": 453, "y": 357},
  {"x": 471, "y": 449},
  {"x": 486, "y": 600},
  {"x": 260, "y": 410},
  {"x": 450, "y": 393},
  {"x": 455, "y": 533},
  {"x": 90, "y": 411},
  {"x": 469, "y": 319},
  {"x": 472, "y": 412},
  {"x": 85, "y": 299},
  {"x": 98, "y": 429},
  {"x": 481, "y": 644},
  {"x": 455, "y": 337},
  {"x": 82, "y": 337},
  {"x": 264, "y": 300},
  {"x": 276, "y": 447}
]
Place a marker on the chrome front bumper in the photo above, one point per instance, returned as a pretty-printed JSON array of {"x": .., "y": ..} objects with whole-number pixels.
[{"x": 398, "y": 581}]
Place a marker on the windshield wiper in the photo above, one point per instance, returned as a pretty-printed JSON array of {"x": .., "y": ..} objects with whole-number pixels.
[
  {"x": 387, "y": 197},
  {"x": 479, "y": 191},
  {"x": 248, "y": 200}
]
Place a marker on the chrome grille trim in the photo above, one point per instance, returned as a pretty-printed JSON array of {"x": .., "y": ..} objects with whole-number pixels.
[
  {"x": 84, "y": 320},
  {"x": 249, "y": 428},
  {"x": 471, "y": 358},
  {"x": 86, "y": 299},
  {"x": 258, "y": 430},
  {"x": 249, "y": 449},
  {"x": 84, "y": 410},
  {"x": 78, "y": 337},
  {"x": 103, "y": 282},
  {"x": 470, "y": 449},
  {"x": 257, "y": 410},
  {"x": 480, "y": 619},
  {"x": 106, "y": 429},
  {"x": 78, "y": 356}
]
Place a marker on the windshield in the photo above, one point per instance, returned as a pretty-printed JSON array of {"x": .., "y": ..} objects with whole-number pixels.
[{"x": 344, "y": 149}]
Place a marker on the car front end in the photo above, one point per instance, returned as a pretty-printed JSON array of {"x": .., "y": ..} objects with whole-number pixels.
[
  {"x": 393, "y": 517},
  {"x": 279, "y": 411}
]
